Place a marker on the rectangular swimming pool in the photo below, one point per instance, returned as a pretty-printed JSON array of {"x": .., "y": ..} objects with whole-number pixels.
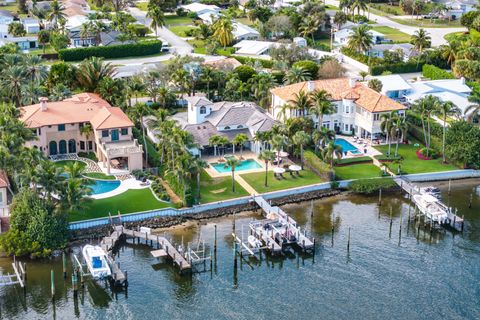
[
  {"x": 248, "y": 164},
  {"x": 346, "y": 146}
]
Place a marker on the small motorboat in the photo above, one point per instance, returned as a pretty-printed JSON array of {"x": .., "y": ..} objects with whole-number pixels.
[
  {"x": 254, "y": 242},
  {"x": 432, "y": 208},
  {"x": 97, "y": 261}
]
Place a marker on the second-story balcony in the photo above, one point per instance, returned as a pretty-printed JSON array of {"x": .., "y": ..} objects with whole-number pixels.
[{"x": 121, "y": 148}]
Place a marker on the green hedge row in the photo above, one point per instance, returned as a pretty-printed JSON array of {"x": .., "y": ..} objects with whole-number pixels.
[
  {"x": 417, "y": 133},
  {"x": 404, "y": 67},
  {"x": 347, "y": 161},
  {"x": 368, "y": 186},
  {"x": 265, "y": 63},
  {"x": 142, "y": 48},
  {"x": 435, "y": 73},
  {"x": 315, "y": 164}
]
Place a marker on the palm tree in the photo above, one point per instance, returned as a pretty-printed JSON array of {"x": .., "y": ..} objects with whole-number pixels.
[
  {"x": 92, "y": 71},
  {"x": 267, "y": 156},
  {"x": 360, "y": 5},
  {"x": 421, "y": 40},
  {"x": 301, "y": 139},
  {"x": 214, "y": 141},
  {"x": 140, "y": 110},
  {"x": 375, "y": 84},
  {"x": 449, "y": 51},
  {"x": 223, "y": 31},
  {"x": 239, "y": 140},
  {"x": 426, "y": 107},
  {"x": 198, "y": 165},
  {"x": 295, "y": 75},
  {"x": 473, "y": 110},
  {"x": 322, "y": 137},
  {"x": 386, "y": 127},
  {"x": 232, "y": 163},
  {"x": 363, "y": 74},
  {"x": 321, "y": 106},
  {"x": 49, "y": 177},
  {"x": 56, "y": 13},
  {"x": 331, "y": 151},
  {"x": 340, "y": 19},
  {"x": 278, "y": 142},
  {"x": 361, "y": 39},
  {"x": 309, "y": 26},
  {"x": 447, "y": 108},
  {"x": 35, "y": 70},
  {"x": 399, "y": 130},
  {"x": 72, "y": 194},
  {"x": 208, "y": 74},
  {"x": 158, "y": 19},
  {"x": 300, "y": 103},
  {"x": 12, "y": 81},
  {"x": 260, "y": 85}
]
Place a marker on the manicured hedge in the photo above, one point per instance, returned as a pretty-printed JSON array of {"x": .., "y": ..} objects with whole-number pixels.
[
  {"x": 435, "y": 128},
  {"x": 265, "y": 63},
  {"x": 368, "y": 186},
  {"x": 143, "y": 48},
  {"x": 347, "y": 161},
  {"x": 404, "y": 67},
  {"x": 318, "y": 166},
  {"x": 435, "y": 73}
]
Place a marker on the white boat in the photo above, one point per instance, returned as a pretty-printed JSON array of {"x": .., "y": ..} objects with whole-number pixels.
[
  {"x": 97, "y": 262},
  {"x": 254, "y": 242},
  {"x": 431, "y": 207},
  {"x": 434, "y": 191}
]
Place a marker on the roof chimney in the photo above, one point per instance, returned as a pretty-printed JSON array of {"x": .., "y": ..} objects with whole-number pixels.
[
  {"x": 352, "y": 82},
  {"x": 43, "y": 103},
  {"x": 310, "y": 86}
]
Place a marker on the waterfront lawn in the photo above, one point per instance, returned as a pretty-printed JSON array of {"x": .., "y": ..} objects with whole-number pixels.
[
  {"x": 410, "y": 162},
  {"x": 393, "y": 34},
  {"x": 99, "y": 175},
  {"x": 217, "y": 189},
  {"x": 357, "y": 171},
  {"x": 134, "y": 200},
  {"x": 181, "y": 31},
  {"x": 257, "y": 180},
  {"x": 63, "y": 163},
  {"x": 428, "y": 23},
  {"x": 174, "y": 20}
]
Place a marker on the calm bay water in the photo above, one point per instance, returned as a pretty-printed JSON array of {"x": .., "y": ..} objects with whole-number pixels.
[{"x": 418, "y": 277}]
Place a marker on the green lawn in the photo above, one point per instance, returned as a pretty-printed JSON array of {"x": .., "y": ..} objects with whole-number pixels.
[
  {"x": 257, "y": 180},
  {"x": 384, "y": 9},
  {"x": 393, "y": 34},
  {"x": 181, "y": 31},
  {"x": 357, "y": 171},
  {"x": 99, "y": 175},
  {"x": 427, "y": 23},
  {"x": 62, "y": 164},
  {"x": 412, "y": 164},
  {"x": 176, "y": 20},
  {"x": 127, "y": 202},
  {"x": 217, "y": 189},
  {"x": 245, "y": 21},
  {"x": 199, "y": 47},
  {"x": 456, "y": 36}
]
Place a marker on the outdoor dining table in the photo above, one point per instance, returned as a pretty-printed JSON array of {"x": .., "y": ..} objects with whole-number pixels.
[{"x": 278, "y": 171}]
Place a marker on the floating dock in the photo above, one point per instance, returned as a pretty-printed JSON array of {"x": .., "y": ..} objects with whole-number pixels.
[{"x": 456, "y": 222}]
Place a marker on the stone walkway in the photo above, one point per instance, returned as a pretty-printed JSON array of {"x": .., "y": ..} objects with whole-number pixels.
[{"x": 245, "y": 185}]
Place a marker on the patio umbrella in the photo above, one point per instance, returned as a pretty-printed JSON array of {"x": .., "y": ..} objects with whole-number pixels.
[{"x": 295, "y": 167}]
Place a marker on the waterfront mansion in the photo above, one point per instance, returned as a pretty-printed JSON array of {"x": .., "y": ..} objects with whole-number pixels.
[
  {"x": 358, "y": 108},
  {"x": 84, "y": 123}
]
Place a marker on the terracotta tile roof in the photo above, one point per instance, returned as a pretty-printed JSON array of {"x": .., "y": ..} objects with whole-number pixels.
[
  {"x": 84, "y": 107},
  {"x": 3, "y": 180},
  {"x": 228, "y": 63},
  {"x": 339, "y": 89}
]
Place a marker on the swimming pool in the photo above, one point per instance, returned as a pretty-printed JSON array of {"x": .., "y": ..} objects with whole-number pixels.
[
  {"x": 248, "y": 164},
  {"x": 103, "y": 186},
  {"x": 346, "y": 146}
]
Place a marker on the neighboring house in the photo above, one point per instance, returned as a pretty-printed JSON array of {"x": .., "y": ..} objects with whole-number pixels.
[
  {"x": 75, "y": 7},
  {"x": 457, "y": 8},
  {"x": 358, "y": 108},
  {"x": 244, "y": 32},
  {"x": 407, "y": 49},
  {"x": 75, "y": 22},
  {"x": 6, "y": 17},
  {"x": 4, "y": 31},
  {"x": 394, "y": 86},
  {"x": 285, "y": 3},
  {"x": 205, "y": 119},
  {"x": 209, "y": 17},
  {"x": 223, "y": 64},
  {"x": 24, "y": 43},
  {"x": 253, "y": 47},
  {"x": 342, "y": 36},
  {"x": 57, "y": 127},
  {"x": 106, "y": 39},
  {"x": 4, "y": 199},
  {"x": 31, "y": 25},
  {"x": 200, "y": 8}
]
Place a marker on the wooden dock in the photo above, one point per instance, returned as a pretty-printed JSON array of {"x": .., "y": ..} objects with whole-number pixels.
[
  {"x": 19, "y": 276},
  {"x": 455, "y": 221},
  {"x": 289, "y": 225}
]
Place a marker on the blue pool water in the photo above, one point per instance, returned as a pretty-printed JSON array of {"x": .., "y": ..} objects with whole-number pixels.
[
  {"x": 346, "y": 146},
  {"x": 102, "y": 186},
  {"x": 244, "y": 165}
]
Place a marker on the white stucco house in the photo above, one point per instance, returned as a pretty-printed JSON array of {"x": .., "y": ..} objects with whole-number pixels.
[
  {"x": 407, "y": 49},
  {"x": 342, "y": 36},
  {"x": 457, "y": 8},
  {"x": 200, "y": 8},
  {"x": 31, "y": 25}
]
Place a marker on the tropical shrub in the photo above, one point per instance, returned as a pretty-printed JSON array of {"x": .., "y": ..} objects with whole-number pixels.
[
  {"x": 368, "y": 186},
  {"x": 142, "y": 48},
  {"x": 268, "y": 64},
  {"x": 422, "y": 154},
  {"x": 245, "y": 72},
  {"x": 310, "y": 67},
  {"x": 315, "y": 164},
  {"x": 435, "y": 73}
]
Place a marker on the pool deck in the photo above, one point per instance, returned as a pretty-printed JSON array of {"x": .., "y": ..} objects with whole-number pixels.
[
  {"x": 125, "y": 185},
  {"x": 360, "y": 147},
  {"x": 246, "y": 156}
]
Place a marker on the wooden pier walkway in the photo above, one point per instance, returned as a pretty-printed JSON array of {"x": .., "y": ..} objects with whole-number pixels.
[
  {"x": 290, "y": 224},
  {"x": 456, "y": 221}
]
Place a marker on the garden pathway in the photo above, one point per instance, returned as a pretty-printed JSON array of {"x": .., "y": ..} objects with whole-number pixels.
[{"x": 245, "y": 185}]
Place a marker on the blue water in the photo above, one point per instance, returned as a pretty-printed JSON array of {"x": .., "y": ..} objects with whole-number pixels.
[
  {"x": 346, "y": 146},
  {"x": 244, "y": 165},
  {"x": 102, "y": 186}
]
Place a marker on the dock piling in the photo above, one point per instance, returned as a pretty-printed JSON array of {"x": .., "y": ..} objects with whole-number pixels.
[
  {"x": 380, "y": 197},
  {"x": 215, "y": 239},
  {"x": 52, "y": 283},
  {"x": 64, "y": 265},
  {"x": 348, "y": 242}
]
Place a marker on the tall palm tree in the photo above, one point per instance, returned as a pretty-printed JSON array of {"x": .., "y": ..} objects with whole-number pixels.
[
  {"x": 295, "y": 75},
  {"x": 223, "y": 31},
  {"x": 214, "y": 141},
  {"x": 232, "y": 163},
  {"x": 301, "y": 103},
  {"x": 141, "y": 110},
  {"x": 331, "y": 151},
  {"x": 267, "y": 156},
  {"x": 198, "y": 165},
  {"x": 426, "y": 107},
  {"x": 279, "y": 142},
  {"x": 309, "y": 26},
  {"x": 92, "y": 71},
  {"x": 421, "y": 40},
  {"x": 446, "y": 109},
  {"x": 473, "y": 110},
  {"x": 386, "y": 127},
  {"x": 35, "y": 70},
  {"x": 208, "y": 75},
  {"x": 239, "y": 140},
  {"x": 321, "y": 105},
  {"x": 158, "y": 19},
  {"x": 56, "y": 13},
  {"x": 361, "y": 39},
  {"x": 322, "y": 137},
  {"x": 12, "y": 81},
  {"x": 399, "y": 129},
  {"x": 49, "y": 177},
  {"x": 301, "y": 139},
  {"x": 360, "y": 5}
]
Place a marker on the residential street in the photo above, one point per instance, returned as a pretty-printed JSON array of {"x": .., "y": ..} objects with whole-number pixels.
[{"x": 437, "y": 34}]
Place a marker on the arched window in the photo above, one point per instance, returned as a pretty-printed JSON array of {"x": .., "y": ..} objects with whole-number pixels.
[
  {"x": 62, "y": 147},
  {"x": 52, "y": 146},
  {"x": 203, "y": 110},
  {"x": 227, "y": 128},
  {"x": 72, "y": 146}
]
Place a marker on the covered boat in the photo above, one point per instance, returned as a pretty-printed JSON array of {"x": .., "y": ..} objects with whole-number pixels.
[
  {"x": 97, "y": 261},
  {"x": 431, "y": 207}
]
